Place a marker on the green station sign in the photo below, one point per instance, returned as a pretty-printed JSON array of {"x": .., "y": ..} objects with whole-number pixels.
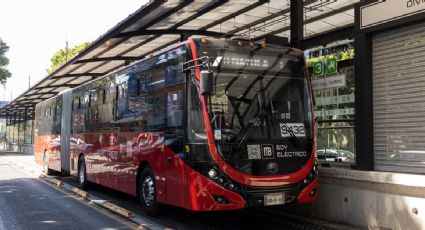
[
  {"x": 331, "y": 65},
  {"x": 318, "y": 69},
  {"x": 328, "y": 66}
]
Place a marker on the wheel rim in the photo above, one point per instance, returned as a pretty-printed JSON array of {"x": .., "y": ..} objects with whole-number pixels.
[
  {"x": 148, "y": 191},
  {"x": 82, "y": 173}
]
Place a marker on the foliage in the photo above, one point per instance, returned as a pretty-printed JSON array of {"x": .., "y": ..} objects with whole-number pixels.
[
  {"x": 340, "y": 56},
  {"x": 62, "y": 56},
  {"x": 4, "y": 61}
]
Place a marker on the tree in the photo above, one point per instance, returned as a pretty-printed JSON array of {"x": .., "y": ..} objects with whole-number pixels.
[
  {"x": 62, "y": 56},
  {"x": 4, "y": 61}
]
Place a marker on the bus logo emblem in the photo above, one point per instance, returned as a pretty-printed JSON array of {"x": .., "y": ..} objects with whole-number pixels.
[{"x": 267, "y": 151}]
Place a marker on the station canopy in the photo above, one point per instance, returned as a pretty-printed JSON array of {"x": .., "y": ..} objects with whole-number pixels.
[{"x": 161, "y": 23}]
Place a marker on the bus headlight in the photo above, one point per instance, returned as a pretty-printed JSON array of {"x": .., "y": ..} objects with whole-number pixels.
[
  {"x": 212, "y": 173},
  {"x": 220, "y": 178},
  {"x": 312, "y": 175},
  {"x": 231, "y": 186}
]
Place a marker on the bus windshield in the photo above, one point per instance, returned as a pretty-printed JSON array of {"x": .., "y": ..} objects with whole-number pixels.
[
  {"x": 259, "y": 96},
  {"x": 250, "y": 108}
]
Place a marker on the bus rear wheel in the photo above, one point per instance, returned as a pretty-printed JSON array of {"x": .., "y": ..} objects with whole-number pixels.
[
  {"x": 148, "y": 194},
  {"x": 47, "y": 171},
  {"x": 82, "y": 174}
]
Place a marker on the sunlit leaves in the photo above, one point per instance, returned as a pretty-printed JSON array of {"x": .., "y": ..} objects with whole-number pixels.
[
  {"x": 64, "y": 55},
  {"x": 4, "y": 61}
]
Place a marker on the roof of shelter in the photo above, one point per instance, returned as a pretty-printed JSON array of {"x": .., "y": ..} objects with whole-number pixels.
[{"x": 161, "y": 23}]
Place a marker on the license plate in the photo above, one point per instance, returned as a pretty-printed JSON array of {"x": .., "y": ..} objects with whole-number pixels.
[{"x": 274, "y": 199}]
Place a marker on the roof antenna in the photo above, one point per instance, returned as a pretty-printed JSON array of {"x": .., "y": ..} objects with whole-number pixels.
[{"x": 66, "y": 49}]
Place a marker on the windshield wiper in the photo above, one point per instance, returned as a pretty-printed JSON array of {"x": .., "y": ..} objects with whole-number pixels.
[{"x": 255, "y": 122}]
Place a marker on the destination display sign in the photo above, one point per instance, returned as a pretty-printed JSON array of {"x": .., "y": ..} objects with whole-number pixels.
[{"x": 246, "y": 61}]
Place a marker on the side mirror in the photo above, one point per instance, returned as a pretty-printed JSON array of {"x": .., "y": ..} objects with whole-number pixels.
[{"x": 206, "y": 83}]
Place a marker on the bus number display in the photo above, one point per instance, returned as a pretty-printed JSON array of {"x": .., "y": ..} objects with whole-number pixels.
[{"x": 296, "y": 128}]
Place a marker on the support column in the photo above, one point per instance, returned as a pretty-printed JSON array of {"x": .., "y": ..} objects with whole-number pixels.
[
  {"x": 297, "y": 23},
  {"x": 13, "y": 128},
  {"x": 19, "y": 127},
  {"x": 32, "y": 124},
  {"x": 183, "y": 37},
  {"x": 363, "y": 96},
  {"x": 25, "y": 124}
]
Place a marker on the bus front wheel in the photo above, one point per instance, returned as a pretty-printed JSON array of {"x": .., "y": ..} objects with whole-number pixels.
[
  {"x": 82, "y": 174},
  {"x": 148, "y": 194}
]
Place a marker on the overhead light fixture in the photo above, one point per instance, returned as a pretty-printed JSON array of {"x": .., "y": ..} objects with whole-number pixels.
[{"x": 108, "y": 43}]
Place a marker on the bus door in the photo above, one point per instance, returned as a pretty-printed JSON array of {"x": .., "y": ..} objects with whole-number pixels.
[{"x": 174, "y": 153}]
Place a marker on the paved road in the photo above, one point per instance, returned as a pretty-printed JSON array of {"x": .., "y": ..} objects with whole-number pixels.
[
  {"x": 174, "y": 218},
  {"x": 27, "y": 203}
]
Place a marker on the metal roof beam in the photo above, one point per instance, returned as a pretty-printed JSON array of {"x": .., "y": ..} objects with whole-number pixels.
[
  {"x": 170, "y": 31},
  {"x": 157, "y": 19},
  {"x": 260, "y": 2},
  {"x": 310, "y": 20},
  {"x": 57, "y": 86},
  {"x": 329, "y": 37},
  {"x": 234, "y": 14},
  {"x": 259, "y": 21},
  {"x": 99, "y": 59},
  {"x": 78, "y": 75},
  {"x": 207, "y": 9},
  {"x": 121, "y": 26},
  {"x": 175, "y": 26}
]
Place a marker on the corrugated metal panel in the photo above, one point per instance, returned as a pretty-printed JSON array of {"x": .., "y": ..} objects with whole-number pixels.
[{"x": 399, "y": 99}]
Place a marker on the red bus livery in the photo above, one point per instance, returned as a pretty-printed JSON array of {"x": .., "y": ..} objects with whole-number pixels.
[{"x": 208, "y": 124}]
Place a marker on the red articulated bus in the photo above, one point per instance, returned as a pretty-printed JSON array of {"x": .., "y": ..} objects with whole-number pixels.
[{"x": 207, "y": 124}]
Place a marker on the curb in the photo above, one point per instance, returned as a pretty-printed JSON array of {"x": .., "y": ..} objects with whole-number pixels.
[
  {"x": 87, "y": 196},
  {"x": 127, "y": 214}
]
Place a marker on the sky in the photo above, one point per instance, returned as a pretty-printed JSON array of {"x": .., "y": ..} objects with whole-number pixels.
[{"x": 35, "y": 30}]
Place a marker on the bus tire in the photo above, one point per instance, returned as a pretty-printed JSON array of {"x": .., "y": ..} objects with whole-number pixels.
[
  {"x": 82, "y": 174},
  {"x": 148, "y": 194},
  {"x": 47, "y": 171}
]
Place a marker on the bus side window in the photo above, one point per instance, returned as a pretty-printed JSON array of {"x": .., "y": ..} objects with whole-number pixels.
[
  {"x": 121, "y": 100},
  {"x": 196, "y": 126},
  {"x": 175, "y": 108}
]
